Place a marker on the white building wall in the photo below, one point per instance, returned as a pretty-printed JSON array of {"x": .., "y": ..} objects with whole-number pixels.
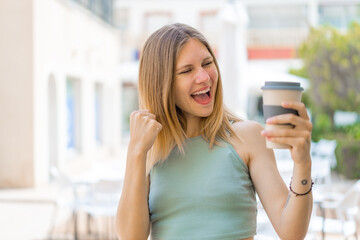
[
  {"x": 187, "y": 12},
  {"x": 53, "y": 39},
  {"x": 76, "y": 44},
  {"x": 16, "y": 95}
]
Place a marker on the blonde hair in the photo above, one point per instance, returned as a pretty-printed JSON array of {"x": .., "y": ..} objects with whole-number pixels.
[{"x": 156, "y": 93}]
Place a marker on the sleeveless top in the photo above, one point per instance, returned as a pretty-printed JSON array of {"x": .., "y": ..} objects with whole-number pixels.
[{"x": 204, "y": 194}]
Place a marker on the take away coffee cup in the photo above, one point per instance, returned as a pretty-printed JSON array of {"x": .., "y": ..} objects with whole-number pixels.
[{"x": 274, "y": 93}]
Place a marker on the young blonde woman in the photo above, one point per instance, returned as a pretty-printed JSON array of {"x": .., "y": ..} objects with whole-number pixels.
[{"x": 193, "y": 168}]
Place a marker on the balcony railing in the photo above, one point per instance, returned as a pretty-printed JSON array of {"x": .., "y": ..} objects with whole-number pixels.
[{"x": 276, "y": 38}]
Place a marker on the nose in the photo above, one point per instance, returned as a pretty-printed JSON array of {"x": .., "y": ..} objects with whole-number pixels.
[{"x": 202, "y": 76}]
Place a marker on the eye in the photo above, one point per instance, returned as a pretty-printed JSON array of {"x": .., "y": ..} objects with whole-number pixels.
[
  {"x": 207, "y": 63},
  {"x": 185, "y": 71}
]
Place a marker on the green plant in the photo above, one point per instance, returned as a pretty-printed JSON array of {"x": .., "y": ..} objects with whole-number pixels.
[
  {"x": 322, "y": 127},
  {"x": 331, "y": 60},
  {"x": 351, "y": 131},
  {"x": 301, "y": 72},
  {"x": 348, "y": 158}
]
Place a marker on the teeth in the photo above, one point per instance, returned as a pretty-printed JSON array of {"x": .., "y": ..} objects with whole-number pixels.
[{"x": 201, "y": 92}]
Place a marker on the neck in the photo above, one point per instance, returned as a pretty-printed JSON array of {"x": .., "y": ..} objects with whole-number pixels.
[{"x": 193, "y": 127}]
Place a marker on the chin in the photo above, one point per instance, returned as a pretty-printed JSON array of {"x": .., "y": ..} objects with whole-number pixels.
[{"x": 206, "y": 114}]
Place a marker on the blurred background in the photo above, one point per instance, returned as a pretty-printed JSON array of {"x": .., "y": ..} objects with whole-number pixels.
[{"x": 68, "y": 83}]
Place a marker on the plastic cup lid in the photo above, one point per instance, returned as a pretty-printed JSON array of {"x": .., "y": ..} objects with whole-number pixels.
[{"x": 282, "y": 86}]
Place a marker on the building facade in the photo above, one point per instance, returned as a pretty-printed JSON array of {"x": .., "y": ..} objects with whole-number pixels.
[
  {"x": 68, "y": 69},
  {"x": 274, "y": 30},
  {"x": 60, "y": 88}
]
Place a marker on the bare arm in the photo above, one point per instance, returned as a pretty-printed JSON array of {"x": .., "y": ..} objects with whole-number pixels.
[
  {"x": 132, "y": 219},
  {"x": 296, "y": 212},
  {"x": 297, "y": 209},
  {"x": 288, "y": 213}
]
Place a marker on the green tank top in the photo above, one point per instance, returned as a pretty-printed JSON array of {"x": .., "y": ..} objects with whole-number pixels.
[{"x": 204, "y": 194}]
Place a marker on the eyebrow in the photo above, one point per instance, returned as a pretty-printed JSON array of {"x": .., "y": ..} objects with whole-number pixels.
[{"x": 189, "y": 65}]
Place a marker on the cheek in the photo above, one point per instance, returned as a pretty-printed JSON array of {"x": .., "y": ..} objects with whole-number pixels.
[
  {"x": 180, "y": 91},
  {"x": 214, "y": 76}
]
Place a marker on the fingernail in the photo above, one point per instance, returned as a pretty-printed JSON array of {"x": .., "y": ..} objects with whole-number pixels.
[
  {"x": 269, "y": 120},
  {"x": 266, "y": 133},
  {"x": 285, "y": 103}
]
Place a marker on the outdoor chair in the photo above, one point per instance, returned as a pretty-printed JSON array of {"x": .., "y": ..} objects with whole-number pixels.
[
  {"x": 337, "y": 213},
  {"x": 97, "y": 201},
  {"x": 100, "y": 206},
  {"x": 66, "y": 200},
  {"x": 323, "y": 160}
]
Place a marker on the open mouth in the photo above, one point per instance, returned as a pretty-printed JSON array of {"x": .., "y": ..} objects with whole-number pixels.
[{"x": 203, "y": 96}]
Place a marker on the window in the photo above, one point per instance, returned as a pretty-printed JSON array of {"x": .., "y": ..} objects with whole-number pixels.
[
  {"x": 339, "y": 16},
  {"x": 129, "y": 103},
  {"x": 73, "y": 107},
  {"x": 99, "y": 112},
  {"x": 101, "y": 8}
]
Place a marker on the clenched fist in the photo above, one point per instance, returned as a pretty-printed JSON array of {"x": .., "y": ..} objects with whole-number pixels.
[{"x": 143, "y": 130}]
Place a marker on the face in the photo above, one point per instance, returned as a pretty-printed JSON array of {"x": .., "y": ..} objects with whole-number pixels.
[{"x": 196, "y": 79}]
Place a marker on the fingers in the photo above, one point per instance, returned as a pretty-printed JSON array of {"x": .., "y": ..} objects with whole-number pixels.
[
  {"x": 286, "y": 133},
  {"x": 298, "y": 137},
  {"x": 292, "y": 137},
  {"x": 146, "y": 118},
  {"x": 149, "y": 115},
  {"x": 298, "y": 142},
  {"x": 144, "y": 130},
  {"x": 301, "y": 121},
  {"x": 143, "y": 113},
  {"x": 299, "y": 106},
  {"x": 153, "y": 123},
  {"x": 297, "y": 121},
  {"x": 158, "y": 127}
]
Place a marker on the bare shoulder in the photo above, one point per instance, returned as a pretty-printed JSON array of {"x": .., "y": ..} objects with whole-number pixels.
[
  {"x": 253, "y": 144},
  {"x": 248, "y": 130},
  {"x": 250, "y": 139}
]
